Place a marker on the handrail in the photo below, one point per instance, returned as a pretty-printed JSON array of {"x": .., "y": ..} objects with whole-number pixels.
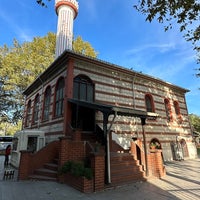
[{"x": 88, "y": 144}]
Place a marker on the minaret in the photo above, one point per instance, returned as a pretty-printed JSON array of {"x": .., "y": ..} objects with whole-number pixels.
[{"x": 67, "y": 11}]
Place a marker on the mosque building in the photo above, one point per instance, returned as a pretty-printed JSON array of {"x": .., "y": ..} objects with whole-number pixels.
[{"x": 128, "y": 124}]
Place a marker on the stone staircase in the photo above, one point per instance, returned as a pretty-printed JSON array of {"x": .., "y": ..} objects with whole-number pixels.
[
  {"x": 49, "y": 172},
  {"x": 124, "y": 169}
]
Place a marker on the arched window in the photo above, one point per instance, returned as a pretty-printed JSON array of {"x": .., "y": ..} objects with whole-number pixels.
[
  {"x": 177, "y": 111},
  {"x": 149, "y": 103},
  {"x": 47, "y": 103},
  {"x": 28, "y": 113},
  {"x": 168, "y": 110},
  {"x": 176, "y": 107},
  {"x": 59, "y": 97},
  {"x": 83, "y": 89},
  {"x": 36, "y": 109},
  {"x": 155, "y": 144}
]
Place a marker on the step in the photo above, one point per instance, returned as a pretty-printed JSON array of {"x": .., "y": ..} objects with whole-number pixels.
[
  {"x": 51, "y": 166},
  {"x": 127, "y": 177},
  {"x": 46, "y": 172},
  {"x": 126, "y": 164},
  {"x": 126, "y": 173},
  {"x": 131, "y": 169},
  {"x": 41, "y": 178}
]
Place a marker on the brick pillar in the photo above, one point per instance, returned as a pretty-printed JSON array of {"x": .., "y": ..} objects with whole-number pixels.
[
  {"x": 68, "y": 94},
  {"x": 24, "y": 168},
  {"x": 133, "y": 150},
  {"x": 63, "y": 151},
  {"x": 156, "y": 163},
  {"x": 98, "y": 166},
  {"x": 76, "y": 135}
]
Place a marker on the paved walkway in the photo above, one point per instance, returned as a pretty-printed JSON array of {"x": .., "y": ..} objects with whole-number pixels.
[{"x": 182, "y": 182}]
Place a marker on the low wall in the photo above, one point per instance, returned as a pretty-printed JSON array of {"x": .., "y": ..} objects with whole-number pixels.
[
  {"x": 155, "y": 163},
  {"x": 156, "y": 167},
  {"x": 31, "y": 161}
]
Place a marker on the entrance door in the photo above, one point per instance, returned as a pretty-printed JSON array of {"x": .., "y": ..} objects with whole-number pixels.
[
  {"x": 184, "y": 148},
  {"x": 83, "y": 118}
]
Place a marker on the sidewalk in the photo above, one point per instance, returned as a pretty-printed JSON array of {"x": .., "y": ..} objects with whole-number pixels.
[{"x": 182, "y": 182}]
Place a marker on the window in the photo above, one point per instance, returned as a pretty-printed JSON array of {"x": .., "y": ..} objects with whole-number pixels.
[
  {"x": 47, "y": 103},
  {"x": 149, "y": 103},
  {"x": 176, "y": 107},
  {"x": 28, "y": 113},
  {"x": 36, "y": 109},
  {"x": 155, "y": 144},
  {"x": 32, "y": 143},
  {"x": 59, "y": 97},
  {"x": 168, "y": 110},
  {"x": 177, "y": 111},
  {"x": 83, "y": 89}
]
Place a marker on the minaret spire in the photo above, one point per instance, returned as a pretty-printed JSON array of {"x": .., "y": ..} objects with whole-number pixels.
[{"x": 67, "y": 11}]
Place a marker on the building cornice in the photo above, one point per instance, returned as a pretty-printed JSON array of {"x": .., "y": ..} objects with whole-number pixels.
[{"x": 62, "y": 60}]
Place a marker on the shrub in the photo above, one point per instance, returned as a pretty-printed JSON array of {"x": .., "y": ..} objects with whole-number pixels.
[
  {"x": 77, "y": 169},
  {"x": 88, "y": 173}
]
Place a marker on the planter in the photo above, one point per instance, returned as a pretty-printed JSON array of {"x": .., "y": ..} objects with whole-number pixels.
[{"x": 80, "y": 183}]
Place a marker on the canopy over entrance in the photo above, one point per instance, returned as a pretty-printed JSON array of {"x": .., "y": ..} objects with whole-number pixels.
[
  {"x": 108, "y": 110},
  {"x": 113, "y": 110}
]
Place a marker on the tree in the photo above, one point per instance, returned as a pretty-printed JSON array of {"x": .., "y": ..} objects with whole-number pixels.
[
  {"x": 21, "y": 64},
  {"x": 195, "y": 121},
  {"x": 83, "y": 47},
  {"x": 185, "y": 13},
  {"x": 7, "y": 128}
]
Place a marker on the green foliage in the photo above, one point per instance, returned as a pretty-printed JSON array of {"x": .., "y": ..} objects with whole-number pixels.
[
  {"x": 42, "y": 3},
  {"x": 66, "y": 167},
  {"x": 83, "y": 47},
  {"x": 77, "y": 169},
  {"x": 195, "y": 121},
  {"x": 21, "y": 64},
  {"x": 9, "y": 128},
  {"x": 185, "y": 13}
]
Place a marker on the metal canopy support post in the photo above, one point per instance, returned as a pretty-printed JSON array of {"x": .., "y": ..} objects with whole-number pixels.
[
  {"x": 108, "y": 148},
  {"x": 105, "y": 122},
  {"x": 143, "y": 122}
]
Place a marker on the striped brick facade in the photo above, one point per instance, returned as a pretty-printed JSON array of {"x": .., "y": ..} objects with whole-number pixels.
[{"x": 114, "y": 86}]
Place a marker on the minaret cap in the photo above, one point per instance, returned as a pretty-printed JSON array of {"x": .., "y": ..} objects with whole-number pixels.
[{"x": 72, "y": 3}]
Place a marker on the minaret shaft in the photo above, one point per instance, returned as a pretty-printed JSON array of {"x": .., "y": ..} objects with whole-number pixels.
[{"x": 66, "y": 11}]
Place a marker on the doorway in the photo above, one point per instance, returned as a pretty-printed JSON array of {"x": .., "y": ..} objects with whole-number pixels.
[{"x": 83, "y": 118}]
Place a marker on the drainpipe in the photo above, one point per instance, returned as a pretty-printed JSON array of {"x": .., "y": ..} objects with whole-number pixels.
[
  {"x": 39, "y": 114},
  {"x": 105, "y": 122},
  {"x": 133, "y": 83},
  {"x": 143, "y": 122}
]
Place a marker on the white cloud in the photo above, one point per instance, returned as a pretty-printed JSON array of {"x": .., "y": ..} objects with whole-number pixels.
[{"x": 162, "y": 48}]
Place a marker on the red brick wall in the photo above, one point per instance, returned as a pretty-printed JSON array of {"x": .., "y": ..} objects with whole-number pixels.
[
  {"x": 31, "y": 161},
  {"x": 76, "y": 151},
  {"x": 155, "y": 161},
  {"x": 80, "y": 183},
  {"x": 71, "y": 150},
  {"x": 98, "y": 166}
]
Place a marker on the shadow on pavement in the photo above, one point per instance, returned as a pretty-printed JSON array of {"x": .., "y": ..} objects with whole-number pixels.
[{"x": 181, "y": 183}]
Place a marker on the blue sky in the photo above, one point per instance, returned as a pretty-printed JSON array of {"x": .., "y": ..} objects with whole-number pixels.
[{"x": 120, "y": 35}]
